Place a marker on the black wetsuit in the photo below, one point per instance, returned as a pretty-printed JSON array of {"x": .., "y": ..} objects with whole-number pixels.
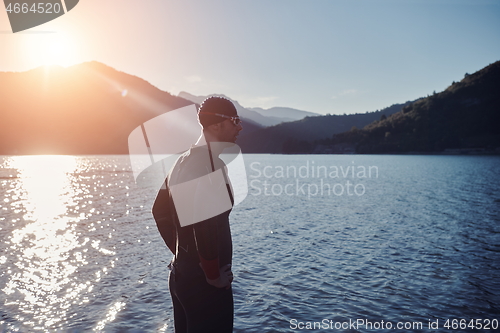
[{"x": 198, "y": 306}]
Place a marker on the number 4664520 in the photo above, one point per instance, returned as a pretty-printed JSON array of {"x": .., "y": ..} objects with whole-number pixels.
[
  {"x": 485, "y": 324},
  {"x": 36, "y": 8}
]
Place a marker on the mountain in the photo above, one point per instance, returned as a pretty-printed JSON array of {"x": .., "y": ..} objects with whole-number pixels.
[
  {"x": 288, "y": 114},
  {"x": 463, "y": 118},
  {"x": 272, "y": 139},
  {"x": 88, "y": 108},
  {"x": 257, "y": 116},
  {"x": 91, "y": 108}
]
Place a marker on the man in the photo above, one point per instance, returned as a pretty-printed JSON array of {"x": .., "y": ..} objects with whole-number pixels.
[{"x": 201, "y": 277}]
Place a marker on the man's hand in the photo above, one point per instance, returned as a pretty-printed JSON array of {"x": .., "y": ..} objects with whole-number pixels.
[{"x": 225, "y": 278}]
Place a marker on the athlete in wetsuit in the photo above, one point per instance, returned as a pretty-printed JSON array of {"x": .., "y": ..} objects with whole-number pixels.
[{"x": 200, "y": 279}]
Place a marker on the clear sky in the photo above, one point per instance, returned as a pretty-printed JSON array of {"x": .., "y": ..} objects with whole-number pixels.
[{"x": 324, "y": 56}]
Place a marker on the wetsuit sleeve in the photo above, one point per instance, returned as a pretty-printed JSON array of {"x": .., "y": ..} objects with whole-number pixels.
[
  {"x": 205, "y": 233},
  {"x": 163, "y": 215}
]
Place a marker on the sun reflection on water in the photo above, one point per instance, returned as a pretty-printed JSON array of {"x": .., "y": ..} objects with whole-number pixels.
[
  {"x": 46, "y": 249},
  {"x": 110, "y": 316}
]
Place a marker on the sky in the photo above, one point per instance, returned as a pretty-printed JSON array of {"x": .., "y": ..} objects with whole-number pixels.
[{"x": 323, "y": 56}]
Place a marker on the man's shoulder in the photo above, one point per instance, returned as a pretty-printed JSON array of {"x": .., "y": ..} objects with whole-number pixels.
[{"x": 190, "y": 165}]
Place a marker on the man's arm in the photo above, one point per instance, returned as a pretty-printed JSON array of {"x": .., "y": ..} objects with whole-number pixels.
[
  {"x": 205, "y": 233},
  {"x": 163, "y": 213}
]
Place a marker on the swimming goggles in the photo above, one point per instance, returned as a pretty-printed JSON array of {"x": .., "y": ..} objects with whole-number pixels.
[{"x": 235, "y": 119}]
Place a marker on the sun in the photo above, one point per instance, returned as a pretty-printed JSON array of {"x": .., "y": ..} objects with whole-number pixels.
[
  {"x": 48, "y": 48},
  {"x": 57, "y": 50}
]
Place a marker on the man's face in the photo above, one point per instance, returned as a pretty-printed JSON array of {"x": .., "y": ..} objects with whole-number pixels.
[{"x": 229, "y": 131}]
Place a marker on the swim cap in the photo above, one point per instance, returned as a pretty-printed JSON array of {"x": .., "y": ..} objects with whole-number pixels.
[{"x": 215, "y": 104}]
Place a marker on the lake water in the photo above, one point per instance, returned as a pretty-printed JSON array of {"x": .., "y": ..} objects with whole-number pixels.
[{"x": 328, "y": 240}]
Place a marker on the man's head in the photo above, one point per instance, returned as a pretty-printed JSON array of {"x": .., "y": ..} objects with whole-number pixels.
[{"x": 219, "y": 119}]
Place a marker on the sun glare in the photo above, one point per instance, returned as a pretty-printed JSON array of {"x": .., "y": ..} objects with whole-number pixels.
[
  {"x": 58, "y": 51},
  {"x": 50, "y": 49}
]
